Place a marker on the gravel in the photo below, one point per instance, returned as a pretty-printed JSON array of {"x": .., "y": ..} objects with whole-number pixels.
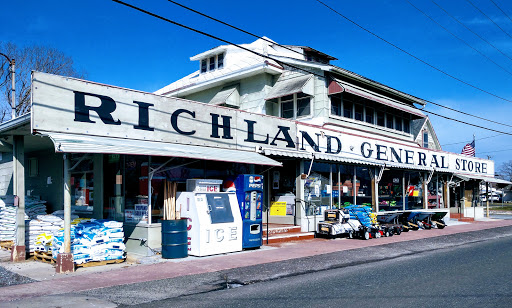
[{"x": 8, "y": 278}]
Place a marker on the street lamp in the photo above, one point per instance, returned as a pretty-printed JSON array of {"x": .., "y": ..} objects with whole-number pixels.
[{"x": 13, "y": 85}]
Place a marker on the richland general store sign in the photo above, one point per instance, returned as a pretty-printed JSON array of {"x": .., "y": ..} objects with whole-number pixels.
[{"x": 72, "y": 106}]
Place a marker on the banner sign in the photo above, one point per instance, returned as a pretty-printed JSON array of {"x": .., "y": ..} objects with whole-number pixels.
[{"x": 73, "y": 106}]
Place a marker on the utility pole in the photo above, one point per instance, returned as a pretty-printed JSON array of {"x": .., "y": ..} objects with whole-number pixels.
[{"x": 12, "y": 69}]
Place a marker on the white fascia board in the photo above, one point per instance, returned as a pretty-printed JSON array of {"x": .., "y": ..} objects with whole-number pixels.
[
  {"x": 237, "y": 75},
  {"x": 362, "y": 79},
  {"x": 15, "y": 123},
  {"x": 323, "y": 67},
  {"x": 208, "y": 53}
]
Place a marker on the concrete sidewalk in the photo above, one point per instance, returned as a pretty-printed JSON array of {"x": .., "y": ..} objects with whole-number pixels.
[{"x": 108, "y": 276}]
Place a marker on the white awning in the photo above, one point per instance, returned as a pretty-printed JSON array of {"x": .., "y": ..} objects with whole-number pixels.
[
  {"x": 228, "y": 95},
  {"x": 336, "y": 158},
  {"x": 468, "y": 177},
  {"x": 288, "y": 153},
  {"x": 290, "y": 84},
  {"x": 73, "y": 143},
  {"x": 380, "y": 99}
]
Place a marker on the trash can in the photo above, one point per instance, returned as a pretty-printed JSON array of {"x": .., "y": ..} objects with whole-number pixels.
[{"x": 174, "y": 239}]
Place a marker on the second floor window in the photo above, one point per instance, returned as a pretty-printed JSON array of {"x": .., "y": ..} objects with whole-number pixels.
[
  {"x": 425, "y": 139},
  {"x": 212, "y": 63},
  {"x": 295, "y": 106}
]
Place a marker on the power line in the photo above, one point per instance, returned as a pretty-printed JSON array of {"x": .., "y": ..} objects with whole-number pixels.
[
  {"x": 442, "y": 116},
  {"x": 265, "y": 56},
  {"x": 488, "y": 18},
  {"x": 503, "y": 150},
  {"x": 488, "y": 137},
  {"x": 501, "y": 10},
  {"x": 410, "y": 54},
  {"x": 231, "y": 26},
  {"x": 257, "y": 36},
  {"x": 468, "y": 114},
  {"x": 469, "y": 29},
  {"x": 457, "y": 37}
]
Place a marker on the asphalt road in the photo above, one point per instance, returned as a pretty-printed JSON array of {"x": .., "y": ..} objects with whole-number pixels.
[{"x": 477, "y": 274}]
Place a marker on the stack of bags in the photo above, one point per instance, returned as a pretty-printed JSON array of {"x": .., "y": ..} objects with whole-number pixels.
[
  {"x": 7, "y": 223},
  {"x": 8, "y": 212},
  {"x": 94, "y": 240},
  {"x": 41, "y": 230}
]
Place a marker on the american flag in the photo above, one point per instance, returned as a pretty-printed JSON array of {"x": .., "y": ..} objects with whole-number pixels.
[{"x": 469, "y": 149}]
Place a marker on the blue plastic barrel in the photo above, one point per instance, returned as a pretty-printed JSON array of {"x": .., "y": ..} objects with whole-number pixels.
[{"x": 174, "y": 239}]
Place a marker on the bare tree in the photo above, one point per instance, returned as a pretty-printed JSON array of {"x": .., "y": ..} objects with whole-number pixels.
[
  {"x": 505, "y": 171},
  {"x": 28, "y": 59}
]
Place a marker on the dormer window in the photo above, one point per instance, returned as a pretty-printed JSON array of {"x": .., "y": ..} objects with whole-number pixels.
[{"x": 212, "y": 63}]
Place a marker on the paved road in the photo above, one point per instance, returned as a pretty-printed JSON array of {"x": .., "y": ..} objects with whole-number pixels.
[{"x": 473, "y": 275}]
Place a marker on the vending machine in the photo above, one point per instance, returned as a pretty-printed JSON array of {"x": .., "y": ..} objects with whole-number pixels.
[
  {"x": 214, "y": 220},
  {"x": 249, "y": 190}
]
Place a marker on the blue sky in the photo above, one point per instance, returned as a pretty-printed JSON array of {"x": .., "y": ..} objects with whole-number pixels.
[{"x": 116, "y": 45}]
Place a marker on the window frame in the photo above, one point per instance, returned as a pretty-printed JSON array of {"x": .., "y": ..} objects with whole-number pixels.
[
  {"x": 295, "y": 100},
  {"x": 205, "y": 64}
]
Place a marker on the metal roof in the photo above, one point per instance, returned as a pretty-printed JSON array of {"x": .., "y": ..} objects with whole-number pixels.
[
  {"x": 336, "y": 158},
  {"x": 73, "y": 143},
  {"x": 287, "y": 85},
  {"x": 228, "y": 95},
  {"x": 380, "y": 99},
  {"x": 467, "y": 177},
  {"x": 288, "y": 153}
]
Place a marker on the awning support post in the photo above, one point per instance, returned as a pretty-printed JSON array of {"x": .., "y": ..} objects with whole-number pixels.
[
  {"x": 18, "y": 252},
  {"x": 65, "y": 262}
]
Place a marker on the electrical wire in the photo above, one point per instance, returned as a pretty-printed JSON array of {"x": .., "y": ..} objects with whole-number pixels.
[
  {"x": 470, "y": 124},
  {"x": 231, "y": 26},
  {"x": 501, "y": 10},
  {"x": 469, "y": 29},
  {"x": 257, "y": 36},
  {"x": 282, "y": 63},
  {"x": 413, "y": 56},
  {"x": 488, "y": 18},
  {"x": 488, "y": 137},
  {"x": 457, "y": 37}
]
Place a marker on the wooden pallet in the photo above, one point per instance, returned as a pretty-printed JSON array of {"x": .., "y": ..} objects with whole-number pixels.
[
  {"x": 6, "y": 244},
  {"x": 99, "y": 263},
  {"x": 43, "y": 257}
]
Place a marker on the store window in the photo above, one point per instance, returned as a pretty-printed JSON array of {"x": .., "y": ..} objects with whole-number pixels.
[
  {"x": 364, "y": 186},
  {"x": 435, "y": 192},
  {"x": 82, "y": 184},
  {"x": 391, "y": 191},
  {"x": 413, "y": 190},
  {"x": 318, "y": 189}
]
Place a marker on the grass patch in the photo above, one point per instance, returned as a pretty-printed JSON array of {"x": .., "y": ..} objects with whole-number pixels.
[{"x": 501, "y": 208}]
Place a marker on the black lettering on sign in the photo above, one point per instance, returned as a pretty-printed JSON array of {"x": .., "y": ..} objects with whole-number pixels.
[
  {"x": 104, "y": 110},
  {"x": 174, "y": 121},
  {"x": 226, "y": 126},
  {"x": 143, "y": 116}
]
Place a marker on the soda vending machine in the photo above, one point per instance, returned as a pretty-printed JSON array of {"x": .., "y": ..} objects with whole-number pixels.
[
  {"x": 214, "y": 222},
  {"x": 249, "y": 191}
]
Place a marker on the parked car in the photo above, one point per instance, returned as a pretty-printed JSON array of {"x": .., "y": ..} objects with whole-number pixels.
[{"x": 491, "y": 198}]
